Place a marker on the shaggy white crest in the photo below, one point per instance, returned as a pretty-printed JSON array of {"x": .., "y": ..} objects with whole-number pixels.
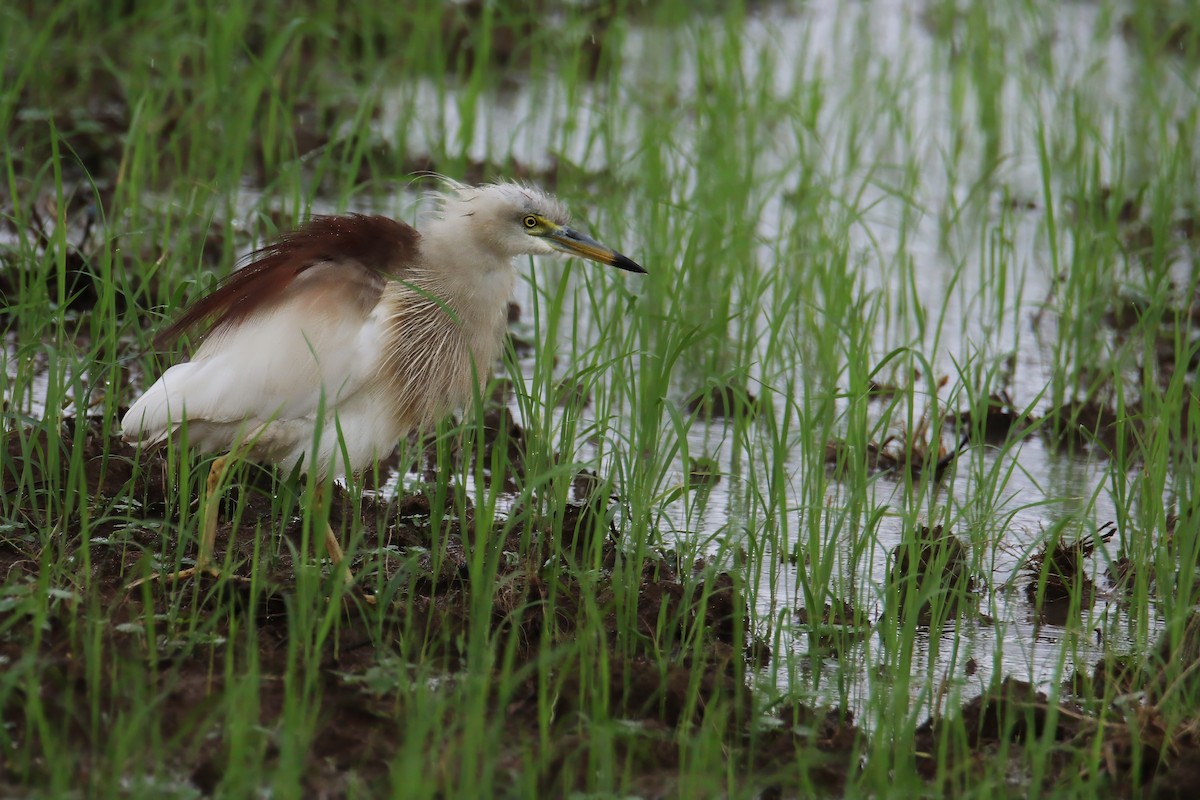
[
  {"x": 491, "y": 214},
  {"x": 461, "y": 199}
]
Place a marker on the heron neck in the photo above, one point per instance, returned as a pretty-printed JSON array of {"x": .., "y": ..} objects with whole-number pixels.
[{"x": 471, "y": 275}]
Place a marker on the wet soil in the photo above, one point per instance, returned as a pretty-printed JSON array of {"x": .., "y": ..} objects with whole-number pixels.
[
  {"x": 572, "y": 555},
  {"x": 426, "y": 611},
  {"x": 91, "y": 111},
  {"x": 1123, "y": 706},
  {"x": 930, "y": 568}
]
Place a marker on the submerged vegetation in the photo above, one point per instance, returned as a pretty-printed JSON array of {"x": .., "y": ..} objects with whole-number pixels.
[{"x": 883, "y": 481}]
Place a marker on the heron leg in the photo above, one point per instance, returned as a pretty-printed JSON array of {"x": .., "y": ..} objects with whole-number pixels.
[
  {"x": 333, "y": 547},
  {"x": 208, "y": 538},
  {"x": 208, "y": 534}
]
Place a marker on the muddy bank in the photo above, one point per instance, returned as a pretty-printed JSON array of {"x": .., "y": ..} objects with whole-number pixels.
[
  {"x": 656, "y": 675},
  {"x": 659, "y": 679}
]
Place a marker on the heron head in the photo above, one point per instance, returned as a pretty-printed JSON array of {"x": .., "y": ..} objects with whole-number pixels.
[{"x": 518, "y": 219}]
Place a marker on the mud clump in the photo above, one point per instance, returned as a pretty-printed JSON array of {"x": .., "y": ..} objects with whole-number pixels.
[
  {"x": 1009, "y": 711},
  {"x": 835, "y": 628},
  {"x": 1059, "y": 579},
  {"x": 916, "y": 452},
  {"x": 930, "y": 567},
  {"x": 724, "y": 401},
  {"x": 997, "y": 421}
]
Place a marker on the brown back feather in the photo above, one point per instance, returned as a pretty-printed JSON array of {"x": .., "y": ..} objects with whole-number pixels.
[{"x": 380, "y": 245}]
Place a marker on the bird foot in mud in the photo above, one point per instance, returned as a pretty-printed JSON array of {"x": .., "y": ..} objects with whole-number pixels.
[{"x": 184, "y": 574}]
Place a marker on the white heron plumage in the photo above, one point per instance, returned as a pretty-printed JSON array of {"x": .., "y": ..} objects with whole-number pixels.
[
  {"x": 371, "y": 339},
  {"x": 351, "y": 331}
]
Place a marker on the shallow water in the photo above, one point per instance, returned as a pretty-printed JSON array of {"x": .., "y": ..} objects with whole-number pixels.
[
  {"x": 1076, "y": 55},
  {"x": 836, "y": 47}
]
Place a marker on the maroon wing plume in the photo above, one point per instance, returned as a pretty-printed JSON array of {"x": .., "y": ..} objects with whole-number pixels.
[{"x": 378, "y": 244}]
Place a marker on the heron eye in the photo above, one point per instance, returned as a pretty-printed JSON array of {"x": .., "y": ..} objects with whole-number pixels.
[{"x": 530, "y": 221}]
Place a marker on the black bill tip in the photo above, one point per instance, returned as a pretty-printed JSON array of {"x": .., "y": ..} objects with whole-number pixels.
[{"x": 628, "y": 264}]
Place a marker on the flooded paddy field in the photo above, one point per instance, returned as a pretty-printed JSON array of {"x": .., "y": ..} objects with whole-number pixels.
[{"x": 881, "y": 481}]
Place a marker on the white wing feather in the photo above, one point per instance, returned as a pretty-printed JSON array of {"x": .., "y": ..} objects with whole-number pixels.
[{"x": 264, "y": 382}]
